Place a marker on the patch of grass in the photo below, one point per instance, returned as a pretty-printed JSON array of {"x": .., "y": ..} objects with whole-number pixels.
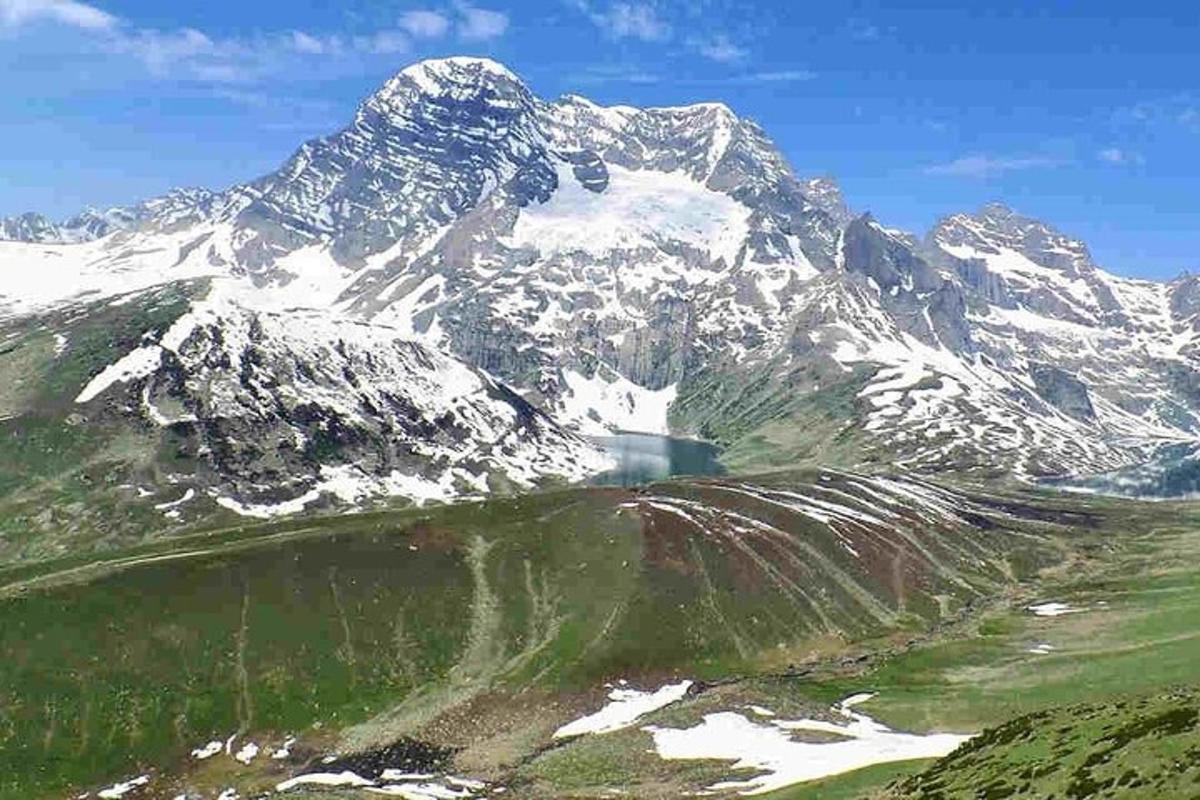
[
  {"x": 124, "y": 662},
  {"x": 862, "y": 784},
  {"x": 63, "y": 465},
  {"x": 1145, "y": 747},
  {"x": 1134, "y": 634}
]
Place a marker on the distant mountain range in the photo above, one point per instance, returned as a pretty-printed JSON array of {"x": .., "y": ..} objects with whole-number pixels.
[{"x": 441, "y": 299}]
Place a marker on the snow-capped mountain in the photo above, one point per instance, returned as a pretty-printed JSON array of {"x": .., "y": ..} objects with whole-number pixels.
[
  {"x": 620, "y": 268},
  {"x": 93, "y": 224}
]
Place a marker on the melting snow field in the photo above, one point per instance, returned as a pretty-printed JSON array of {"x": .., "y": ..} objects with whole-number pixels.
[
  {"x": 625, "y": 707},
  {"x": 769, "y": 748}
]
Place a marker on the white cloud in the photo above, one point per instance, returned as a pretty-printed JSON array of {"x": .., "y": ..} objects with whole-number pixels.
[
  {"x": 425, "y": 24},
  {"x": 382, "y": 43},
  {"x": 480, "y": 24},
  {"x": 720, "y": 48},
  {"x": 307, "y": 43},
  {"x": 15, "y": 13},
  {"x": 192, "y": 55},
  {"x": 162, "y": 50},
  {"x": 981, "y": 166},
  {"x": 629, "y": 20}
]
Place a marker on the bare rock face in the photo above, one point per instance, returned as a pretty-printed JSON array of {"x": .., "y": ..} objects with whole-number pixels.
[{"x": 1062, "y": 390}]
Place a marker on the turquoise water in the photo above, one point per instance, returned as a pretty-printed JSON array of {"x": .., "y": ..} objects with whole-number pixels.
[{"x": 644, "y": 457}]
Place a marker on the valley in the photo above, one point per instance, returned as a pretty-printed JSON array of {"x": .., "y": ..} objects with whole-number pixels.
[
  {"x": 503, "y": 446},
  {"x": 479, "y": 629}
]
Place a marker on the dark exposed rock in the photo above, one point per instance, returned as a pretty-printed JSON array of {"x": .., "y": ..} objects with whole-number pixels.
[{"x": 1063, "y": 391}]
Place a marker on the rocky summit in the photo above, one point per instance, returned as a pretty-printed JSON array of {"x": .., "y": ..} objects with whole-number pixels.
[{"x": 448, "y": 296}]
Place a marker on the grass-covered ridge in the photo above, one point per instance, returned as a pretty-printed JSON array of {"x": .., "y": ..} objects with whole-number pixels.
[
  {"x": 441, "y": 623},
  {"x": 69, "y": 475},
  {"x": 1145, "y": 747}
]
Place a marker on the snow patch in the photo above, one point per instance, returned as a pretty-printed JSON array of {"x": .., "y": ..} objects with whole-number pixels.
[
  {"x": 637, "y": 209},
  {"x": 284, "y": 750},
  {"x": 247, "y": 753},
  {"x": 209, "y": 750},
  {"x": 346, "y": 778},
  {"x": 140, "y": 363},
  {"x": 769, "y": 748},
  {"x": 600, "y": 405},
  {"x": 121, "y": 789},
  {"x": 1052, "y": 609},
  {"x": 625, "y": 707}
]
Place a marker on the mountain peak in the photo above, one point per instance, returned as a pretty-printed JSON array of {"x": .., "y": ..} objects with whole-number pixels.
[
  {"x": 996, "y": 227},
  {"x": 453, "y": 64},
  {"x": 452, "y": 75},
  {"x": 997, "y": 209},
  {"x": 823, "y": 192}
]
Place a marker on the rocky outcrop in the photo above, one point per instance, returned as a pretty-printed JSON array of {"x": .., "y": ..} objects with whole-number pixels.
[{"x": 1063, "y": 391}]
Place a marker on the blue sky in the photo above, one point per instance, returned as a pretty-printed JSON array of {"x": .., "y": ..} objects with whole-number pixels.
[{"x": 1084, "y": 114}]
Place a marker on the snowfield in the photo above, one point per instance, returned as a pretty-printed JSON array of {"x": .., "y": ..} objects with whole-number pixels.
[
  {"x": 783, "y": 761},
  {"x": 624, "y": 709}
]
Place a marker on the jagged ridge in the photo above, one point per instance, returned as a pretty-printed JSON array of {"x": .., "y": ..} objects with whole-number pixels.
[{"x": 613, "y": 262}]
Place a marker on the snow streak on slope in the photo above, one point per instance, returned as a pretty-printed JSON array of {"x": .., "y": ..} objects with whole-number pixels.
[{"x": 946, "y": 409}]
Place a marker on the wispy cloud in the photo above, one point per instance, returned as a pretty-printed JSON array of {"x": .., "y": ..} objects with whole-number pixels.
[
  {"x": 309, "y": 115},
  {"x": 627, "y": 20},
  {"x": 615, "y": 73},
  {"x": 307, "y": 43},
  {"x": 984, "y": 166},
  {"x": 1180, "y": 110},
  {"x": 15, "y": 13},
  {"x": 783, "y": 76},
  {"x": 191, "y": 54},
  {"x": 605, "y": 73},
  {"x": 659, "y": 21},
  {"x": 425, "y": 24},
  {"x": 477, "y": 24},
  {"x": 863, "y": 30},
  {"x": 720, "y": 48}
]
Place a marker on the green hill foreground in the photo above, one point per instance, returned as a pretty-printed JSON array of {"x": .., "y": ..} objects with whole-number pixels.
[{"x": 457, "y": 640}]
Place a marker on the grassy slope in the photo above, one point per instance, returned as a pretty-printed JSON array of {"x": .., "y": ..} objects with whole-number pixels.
[
  {"x": 64, "y": 476},
  {"x": 1146, "y": 747},
  {"x": 481, "y": 627},
  {"x": 550, "y": 594},
  {"x": 774, "y": 416},
  {"x": 1137, "y": 638}
]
